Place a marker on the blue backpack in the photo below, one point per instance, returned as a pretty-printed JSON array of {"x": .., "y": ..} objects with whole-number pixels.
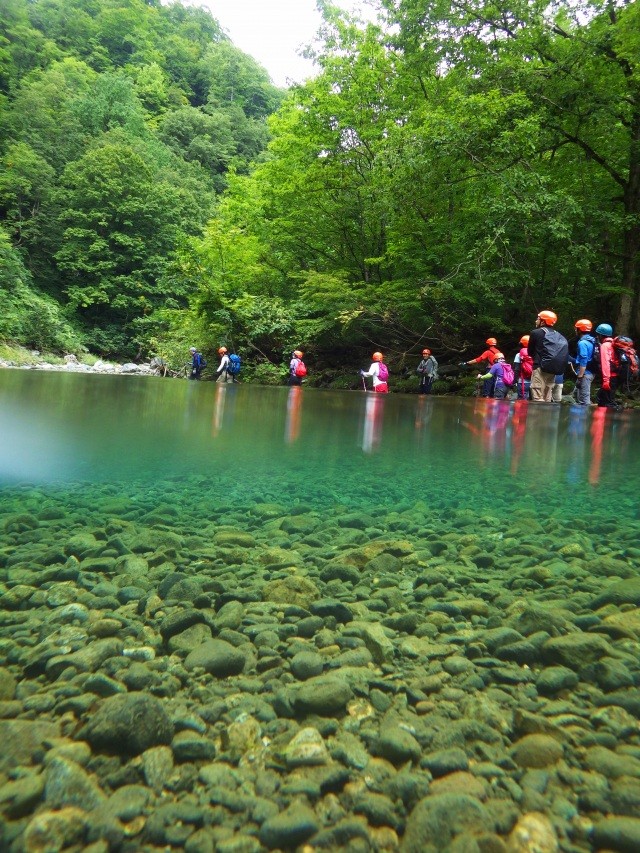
[{"x": 235, "y": 362}]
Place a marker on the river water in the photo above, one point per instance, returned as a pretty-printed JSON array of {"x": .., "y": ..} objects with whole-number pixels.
[
  {"x": 431, "y": 587},
  {"x": 298, "y": 444}
]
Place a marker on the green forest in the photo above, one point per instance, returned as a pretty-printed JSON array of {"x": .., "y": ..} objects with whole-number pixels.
[{"x": 451, "y": 170}]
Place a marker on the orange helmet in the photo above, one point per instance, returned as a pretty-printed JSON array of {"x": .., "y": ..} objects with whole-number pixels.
[
  {"x": 377, "y": 356},
  {"x": 498, "y": 355},
  {"x": 426, "y": 352},
  {"x": 298, "y": 353},
  {"x": 491, "y": 342},
  {"x": 549, "y": 317},
  {"x": 524, "y": 340},
  {"x": 584, "y": 325},
  {"x": 222, "y": 350}
]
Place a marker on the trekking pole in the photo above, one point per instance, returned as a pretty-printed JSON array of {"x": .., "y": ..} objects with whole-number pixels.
[{"x": 364, "y": 384}]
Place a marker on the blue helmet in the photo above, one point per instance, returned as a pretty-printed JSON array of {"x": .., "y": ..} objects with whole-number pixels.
[{"x": 604, "y": 329}]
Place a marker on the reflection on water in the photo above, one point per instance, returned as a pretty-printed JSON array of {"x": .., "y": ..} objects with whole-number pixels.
[{"x": 318, "y": 444}]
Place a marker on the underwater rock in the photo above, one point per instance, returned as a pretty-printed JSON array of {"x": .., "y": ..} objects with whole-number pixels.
[
  {"x": 216, "y": 657},
  {"x": 533, "y": 833},
  {"x": 324, "y": 695},
  {"x": 128, "y": 724},
  {"x": 296, "y": 589},
  {"x": 443, "y": 817},
  {"x": 536, "y": 750}
]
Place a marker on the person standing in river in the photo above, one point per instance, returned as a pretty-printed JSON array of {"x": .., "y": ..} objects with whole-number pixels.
[
  {"x": 379, "y": 373},
  {"x": 489, "y": 355},
  {"x": 428, "y": 371},
  {"x": 584, "y": 361},
  {"x": 297, "y": 368},
  {"x": 222, "y": 373},
  {"x": 197, "y": 363},
  {"x": 550, "y": 353},
  {"x": 606, "y": 395}
]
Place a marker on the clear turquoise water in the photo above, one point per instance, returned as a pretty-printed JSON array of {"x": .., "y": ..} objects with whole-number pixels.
[{"x": 237, "y": 444}]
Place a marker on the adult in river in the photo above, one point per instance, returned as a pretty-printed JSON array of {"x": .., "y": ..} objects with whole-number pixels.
[
  {"x": 427, "y": 371},
  {"x": 550, "y": 353},
  {"x": 496, "y": 374},
  {"x": 489, "y": 355},
  {"x": 197, "y": 363},
  {"x": 379, "y": 373},
  {"x": 297, "y": 367},
  {"x": 222, "y": 373},
  {"x": 606, "y": 396},
  {"x": 584, "y": 361}
]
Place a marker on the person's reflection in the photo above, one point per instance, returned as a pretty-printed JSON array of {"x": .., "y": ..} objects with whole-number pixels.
[
  {"x": 518, "y": 432},
  {"x": 294, "y": 409},
  {"x": 598, "y": 421},
  {"x": 542, "y": 436},
  {"x": 372, "y": 430},
  {"x": 218, "y": 410},
  {"x": 424, "y": 411},
  {"x": 495, "y": 429},
  {"x": 576, "y": 433}
]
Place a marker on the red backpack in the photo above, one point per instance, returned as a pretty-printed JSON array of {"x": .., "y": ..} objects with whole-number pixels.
[
  {"x": 526, "y": 364},
  {"x": 625, "y": 357}
]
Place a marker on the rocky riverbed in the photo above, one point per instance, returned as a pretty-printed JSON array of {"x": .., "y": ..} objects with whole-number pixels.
[{"x": 181, "y": 674}]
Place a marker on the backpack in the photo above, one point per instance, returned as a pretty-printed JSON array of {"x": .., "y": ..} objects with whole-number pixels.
[
  {"x": 526, "y": 364},
  {"x": 508, "y": 376},
  {"x": 301, "y": 368},
  {"x": 554, "y": 352},
  {"x": 383, "y": 372},
  {"x": 201, "y": 363},
  {"x": 625, "y": 358},
  {"x": 593, "y": 365},
  {"x": 234, "y": 365}
]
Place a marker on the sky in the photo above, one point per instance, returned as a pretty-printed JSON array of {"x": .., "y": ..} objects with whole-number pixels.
[{"x": 273, "y": 31}]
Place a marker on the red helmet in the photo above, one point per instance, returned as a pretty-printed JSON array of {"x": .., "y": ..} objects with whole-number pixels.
[
  {"x": 549, "y": 317},
  {"x": 377, "y": 356},
  {"x": 584, "y": 325},
  {"x": 491, "y": 342},
  {"x": 298, "y": 353},
  {"x": 426, "y": 351},
  {"x": 524, "y": 340},
  {"x": 222, "y": 350},
  {"x": 498, "y": 355}
]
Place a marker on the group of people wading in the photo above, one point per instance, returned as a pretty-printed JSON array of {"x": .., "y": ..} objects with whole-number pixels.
[
  {"x": 539, "y": 366},
  {"x": 537, "y": 372}
]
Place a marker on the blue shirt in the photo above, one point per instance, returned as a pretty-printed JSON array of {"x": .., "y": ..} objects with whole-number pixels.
[{"x": 586, "y": 346}]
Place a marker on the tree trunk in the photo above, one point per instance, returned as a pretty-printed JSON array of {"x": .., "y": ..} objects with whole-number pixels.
[{"x": 628, "y": 321}]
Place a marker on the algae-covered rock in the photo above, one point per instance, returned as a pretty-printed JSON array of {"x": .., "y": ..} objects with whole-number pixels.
[
  {"x": 617, "y": 833},
  {"x": 235, "y": 538},
  {"x": 216, "y": 657},
  {"x": 443, "y": 817},
  {"x": 622, "y": 592},
  {"x": 536, "y": 750},
  {"x": 533, "y": 833},
  {"x": 129, "y": 723},
  {"x": 324, "y": 695},
  {"x": 290, "y": 828},
  {"x": 307, "y": 749},
  {"x": 575, "y": 650},
  {"x": 296, "y": 589}
]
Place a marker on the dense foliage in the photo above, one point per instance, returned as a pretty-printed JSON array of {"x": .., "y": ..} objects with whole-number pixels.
[
  {"x": 450, "y": 171},
  {"x": 446, "y": 176},
  {"x": 119, "y": 123}
]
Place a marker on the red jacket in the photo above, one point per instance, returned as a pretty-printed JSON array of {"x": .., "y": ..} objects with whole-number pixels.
[
  {"x": 607, "y": 364},
  {"x": 488, "y": 355}
]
